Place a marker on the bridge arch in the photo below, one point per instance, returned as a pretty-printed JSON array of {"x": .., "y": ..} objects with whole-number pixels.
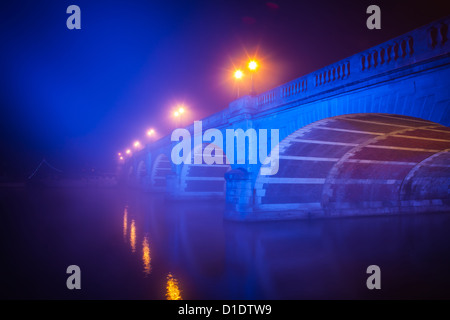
[
  {"x": 359, "y": 164},
  {"x": 160, "y": 169},
  {"x": 204, "y": 180},
  {"x": 142, "y": 173},
  {"x": 141, "y": 169}
]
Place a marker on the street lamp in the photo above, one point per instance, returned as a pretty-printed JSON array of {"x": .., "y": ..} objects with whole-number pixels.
[
  {"x": 137, "y": 144},
  {"x": 252, "y": 65},
  {"x": 151, "y": 134},
  {"x": 179, "y": 114},
  {"x": 128, "y": 151},
  {"x": 238, "y": 74},
  {"x": 181, "y": 111}
]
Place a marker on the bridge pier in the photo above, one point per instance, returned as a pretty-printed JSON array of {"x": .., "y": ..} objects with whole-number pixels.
[
  {"x": 174, "y": 190},
  {"x": 239, "y": 194}
]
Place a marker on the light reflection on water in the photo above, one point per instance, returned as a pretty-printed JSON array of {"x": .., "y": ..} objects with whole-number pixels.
[
  {"x": 291, "y": 259},
  {"x": 146, "y": 259},
  {"x": 173, "y": 291},
  {"x": 189, "y": 248},
  {"x": 133, "y": 236}
]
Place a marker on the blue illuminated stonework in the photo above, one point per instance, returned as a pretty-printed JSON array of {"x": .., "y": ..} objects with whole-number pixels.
[{"x": 367, "y": 135}]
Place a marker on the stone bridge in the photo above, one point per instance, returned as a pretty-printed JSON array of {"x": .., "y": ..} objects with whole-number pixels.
[{"x": 366, "y": 135}]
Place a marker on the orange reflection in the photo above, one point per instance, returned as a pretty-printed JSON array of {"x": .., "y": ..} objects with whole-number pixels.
[
  {"x": 125, "y": 223},
  {"x": 133, "y": 236},
  {"x": 146, "y": 256},
  {"x": 173, "y": 292}
]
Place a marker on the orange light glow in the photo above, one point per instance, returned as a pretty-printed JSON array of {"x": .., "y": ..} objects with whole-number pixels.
[
  {"x": 173, "y": 291},
  {"x": 121, "y": 158},
  {"x": 252, "y": 65},
  {"x": 150, "y": 132},
  {"x": 128, "y": 151},
  {"x": 137, "y": 144},
  {"x": 133, "y": 236},
  {"x": 146, "y": 259},
  {"x": 176, "y": 114},
  {"x": 238, "y": 74},
  {"x": 180, "y": 110}
]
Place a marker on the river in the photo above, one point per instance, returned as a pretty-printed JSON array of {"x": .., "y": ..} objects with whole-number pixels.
[{"x": 132, "y": 245}]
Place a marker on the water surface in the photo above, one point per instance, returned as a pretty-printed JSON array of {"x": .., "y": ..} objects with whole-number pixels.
[{"x": 132, "y": 245}]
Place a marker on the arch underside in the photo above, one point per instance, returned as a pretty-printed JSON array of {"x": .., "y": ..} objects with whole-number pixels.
[
  {"x": 141, "y": 169},
  {"x": 360, "y": 164},
  {"x": 204, "y": 180},
  {"x": 161, "y": 168},
  {"x": 142, "y": 175}
]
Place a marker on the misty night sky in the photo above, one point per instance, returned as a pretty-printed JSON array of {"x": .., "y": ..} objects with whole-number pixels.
[{"x": 77, "y": 97}]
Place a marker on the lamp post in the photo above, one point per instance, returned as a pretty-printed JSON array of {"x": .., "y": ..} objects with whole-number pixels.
[
  {"x": 176, "y": 114},
  {"x": 238, "y": 74},
  {"x": 179, "y": 115},
  {"x": 151, "y": 134},
  {"x": 252, "y": 65},
  {"x": 181, "y": 111}
]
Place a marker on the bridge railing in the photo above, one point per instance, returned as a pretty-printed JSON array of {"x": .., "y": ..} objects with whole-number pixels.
[
  {"x": 418, "y": 45},
  {"x": 421, "y": 44}
]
